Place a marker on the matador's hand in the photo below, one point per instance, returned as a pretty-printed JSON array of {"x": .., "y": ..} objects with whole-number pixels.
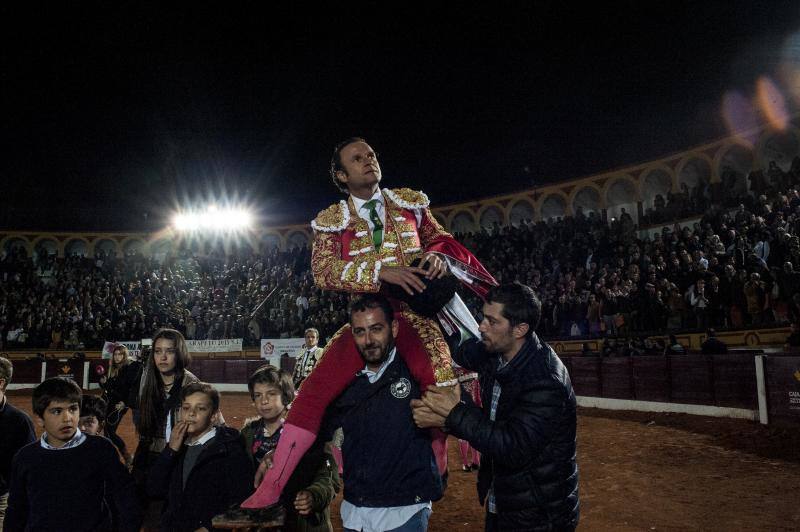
[
  {"x": 436, "y": 266},
  {"x": 406, "y": 277}
]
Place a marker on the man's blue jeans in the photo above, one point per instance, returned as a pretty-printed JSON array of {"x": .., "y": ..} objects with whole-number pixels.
[{"x": 417, "y": 523}]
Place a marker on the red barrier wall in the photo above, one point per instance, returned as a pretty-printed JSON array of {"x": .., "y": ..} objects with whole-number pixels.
[{"x": 714, "y": 380}]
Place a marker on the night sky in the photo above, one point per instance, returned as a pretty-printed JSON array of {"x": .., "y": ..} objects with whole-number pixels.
[{"x": 112, "y": 118}]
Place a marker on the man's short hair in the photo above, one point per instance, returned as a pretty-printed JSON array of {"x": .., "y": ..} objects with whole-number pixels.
[
  {"x": 520, "y": 304},
  {"x": 201, "y": 387},
  {"x": 6, "y": 371},
  {"x": 91, "y": 405},
  {"x": 55, "y": 389},
  {"x": 336, "y": 161},
  {"x": 269, "y": 374},
  {"x": 372, "y": 301},
  {"x": 311, "y": 329}
]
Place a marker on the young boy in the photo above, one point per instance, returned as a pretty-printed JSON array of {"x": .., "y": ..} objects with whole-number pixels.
[
  {"x": 61, "y": 481},
  {"x": 204, "y": 469},
  {"x": 314, "y": 483},
  {"x": 93, "y": 415}
]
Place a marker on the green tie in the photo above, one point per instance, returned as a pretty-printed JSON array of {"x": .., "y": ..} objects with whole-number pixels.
[{"x": 377, "y": 233}]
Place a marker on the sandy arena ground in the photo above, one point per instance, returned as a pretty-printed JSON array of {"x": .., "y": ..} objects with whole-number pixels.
[{"x": 639, "y": 471}]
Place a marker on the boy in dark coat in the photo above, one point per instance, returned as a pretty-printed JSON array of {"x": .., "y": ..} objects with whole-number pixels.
[{"x": 205, "y": 469}]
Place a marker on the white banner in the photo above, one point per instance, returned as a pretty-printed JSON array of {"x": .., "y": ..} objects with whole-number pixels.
[
  {"x": 273, "y": 348},
  {"x": 134, "y": 349},
  {"x": 214, "y": 346}
]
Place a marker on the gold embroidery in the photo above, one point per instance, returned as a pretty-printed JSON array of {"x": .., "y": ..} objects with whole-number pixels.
[
  {"x": 435, "y": 345},
  {"x": 356, "y": 272},
  {"x": 333, "y": 218},
  {"x": 408, "y": 198},
  {"x": 430, "y": 229},
  {"x": 332, "y": 273},
  {"x": 333, "y": 340}
]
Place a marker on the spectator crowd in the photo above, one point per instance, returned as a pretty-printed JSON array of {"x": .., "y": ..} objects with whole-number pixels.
[{"x": 735, "y": 267}]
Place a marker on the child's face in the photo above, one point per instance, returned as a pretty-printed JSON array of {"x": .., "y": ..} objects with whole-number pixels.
[
  {"x": 164, "y": 356},
  {"x": 268, "y": 400},
  {"x": 90, "y": 425},
  {"x": 197, "y": 410},
  {"x": 60, "y": 420}
]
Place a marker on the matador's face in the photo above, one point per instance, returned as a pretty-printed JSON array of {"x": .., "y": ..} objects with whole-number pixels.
[{"x": 361, "y": 168}]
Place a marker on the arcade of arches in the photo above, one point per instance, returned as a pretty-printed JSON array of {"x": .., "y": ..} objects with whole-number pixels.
[{"x": 634, "y": 189}]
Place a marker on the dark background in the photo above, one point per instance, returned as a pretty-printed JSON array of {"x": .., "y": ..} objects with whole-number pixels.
[{"x": 113, "y": 118}]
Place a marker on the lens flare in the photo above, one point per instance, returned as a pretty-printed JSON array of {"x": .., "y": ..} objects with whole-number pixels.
[
  {"x": 772, "y": 103},
  {"x": 738, "y": 113}
]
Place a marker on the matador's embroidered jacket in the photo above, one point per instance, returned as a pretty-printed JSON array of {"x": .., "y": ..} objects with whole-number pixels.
[{"x": 345, "y": 259}]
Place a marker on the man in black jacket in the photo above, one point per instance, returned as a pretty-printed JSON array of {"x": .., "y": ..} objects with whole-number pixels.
[
  {"x": 17, "y": 431},
  {"x": 526, "y": 428}
]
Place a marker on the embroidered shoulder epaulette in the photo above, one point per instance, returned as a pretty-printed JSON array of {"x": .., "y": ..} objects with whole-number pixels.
[
  {"x": 407, "y": 198},
  {"x": 334, "y": 219}
]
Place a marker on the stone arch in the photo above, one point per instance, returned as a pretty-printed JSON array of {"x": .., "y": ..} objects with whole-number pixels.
[
  {"x": 13, "y": 242},
  {"x": 694, "y": 169},
  {"x": 77, "y": 246},
  {"x": 270, "y": 240},
  {"x": 779, "y": 146},
  {"x": 657, "y": 180},
  {"x": 160, "y": 249},
  {"x": 462, "y": 221},
  {"x": 244, "y": 246},
  {"x": 491, "y": 212},
  {"x": 296, "y": 239},
  {"x": 108, "y": 246},
  {"x": 588, "y": 197},
  {"x": 622, "y": 192},
  {"x": 732, "y": 164},
  {"x": 46, "y": 245},
  {"x": 441, "y": 219},
  {"x": 133, "y": 243},
  {"x": 521, "y": 209},
  {"x": 553, "y": 205}
]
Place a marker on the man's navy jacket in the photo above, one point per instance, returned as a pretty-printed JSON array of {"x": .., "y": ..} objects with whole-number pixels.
[{"x": 388, "y": 461}]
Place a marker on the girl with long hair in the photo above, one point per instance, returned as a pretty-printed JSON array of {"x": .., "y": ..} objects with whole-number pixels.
[
  {"x": 164, "y": 376},
  {"x": 117, "y": 386}
]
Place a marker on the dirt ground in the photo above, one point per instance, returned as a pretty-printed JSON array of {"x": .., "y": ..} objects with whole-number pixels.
[{"x": 639, "y": 471}]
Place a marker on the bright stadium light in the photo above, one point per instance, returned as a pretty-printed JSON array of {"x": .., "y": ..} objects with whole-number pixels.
[{"x": 213, "y": 218}]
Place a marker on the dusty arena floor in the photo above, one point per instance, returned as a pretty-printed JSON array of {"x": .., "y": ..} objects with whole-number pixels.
[{"x": 640, "y": 471}]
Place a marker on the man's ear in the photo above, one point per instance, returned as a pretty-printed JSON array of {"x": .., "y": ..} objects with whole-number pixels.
[
  {"x": 341, "y": 175},
  {"x": 395, "y": 328},
  {"x": 39, "y": 420},
  {"x": 520, "y": 330}
]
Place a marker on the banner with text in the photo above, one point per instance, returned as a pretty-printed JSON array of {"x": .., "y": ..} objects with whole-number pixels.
[
  {"x": 273, "y": 348},
  {"x": 230, "y": 345},
  {"x": 134, "y": 349}
]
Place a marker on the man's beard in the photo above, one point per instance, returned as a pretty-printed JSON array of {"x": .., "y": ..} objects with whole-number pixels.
[{"x": 384, "y": 355}]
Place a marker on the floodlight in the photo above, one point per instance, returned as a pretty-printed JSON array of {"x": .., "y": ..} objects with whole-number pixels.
[{"x": 212, "y": 218}]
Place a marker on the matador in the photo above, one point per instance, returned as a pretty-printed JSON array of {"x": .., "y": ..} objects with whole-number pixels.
[{"x": 368, "y": 243}]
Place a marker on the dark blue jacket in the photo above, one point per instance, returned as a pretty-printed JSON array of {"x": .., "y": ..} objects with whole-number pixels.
[
  {"x": 17, "y": 432},
  {"x": 528, "y": 452},
  {"x": 69, "y": 489},
  {"x": 388, "y": 461},
  {"x": 221, "y": 477}
]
